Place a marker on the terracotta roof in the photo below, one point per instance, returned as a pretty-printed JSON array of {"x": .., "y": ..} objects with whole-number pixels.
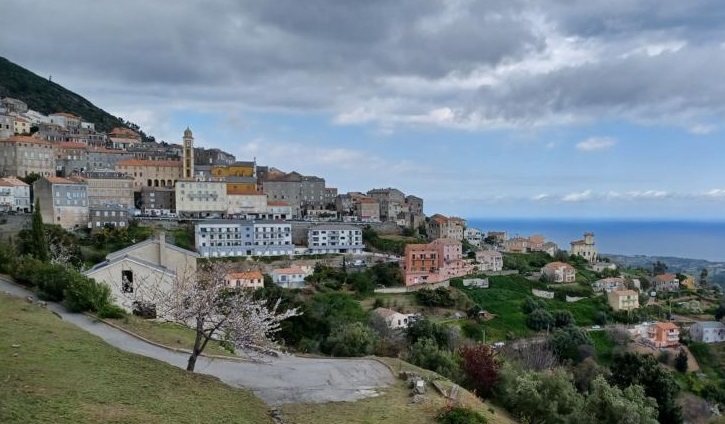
[
  {"x": 537, "y": 239},
  {"x": 140, "y": 162},
  {"x": 246, "y": 275},
  {"x": 666, "y": 325},
  {"x": 65, "y": 114},
  {"x": 290, "y": 270},
  {"x": 666, "y": 277},
  {"x": 277, "y": 203},
  {"x": 558, "y": 265},
  {"x": 14, "y": 181},
  {"x": 5, "y": 183},
  {"x": 25, "y": 139},
  {"x": 71, "y": 145}
]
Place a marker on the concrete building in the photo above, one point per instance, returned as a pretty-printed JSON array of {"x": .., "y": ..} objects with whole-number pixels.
[
  {"x": 17, "y": 193},
  {"x": 334, "y": 238},
  {"x": 394, "y": 319},
  {"x": 63, "y": 202},
  {"x": 489, "y": 260},
  {"x": 158, "y": 201},
  {"x": 609, "y": 284},
  {"x": 474, "y": 236},
  {"x": 108, "y": 215},
  {"x": 226, "y": 238},
  {"x": 663, "y": 334},
  {"x": 434, "y": 262},
  {"x": 278, "y": 210},
  {"x": 665, "y": 283},
  {"x": 123, "y": 138},
  {"x": 245, "y": 280},
  {"x": 109, "y": 189},
  {"x": 137, "y": 273},
  {"x": 586, "y": 248},
  {"x": 623, "y": 300},
  {"x": 24, "y": 155},
  {"x": 245, "y": 204},
  {"x": 201, "y": 198},
  {"x": 441, "y": 226},
  {"x": 300, "y": 191},
  {"x": 7, "y": 128},
  {"x": 151, "y": 173},
  {"x": 391, "y": 201},
  {"x": 292, "y": 277},
  {"x": 708, "y": 332},
  {"x": 103, "y": 159},
  {"x": 65, "y": 120},
  {"x": 559, "y": 272}
]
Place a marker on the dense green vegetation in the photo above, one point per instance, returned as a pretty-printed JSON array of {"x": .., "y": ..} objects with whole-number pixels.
[
  {"x": 386, "y": 245},
  {"x": 47, "y": 97}
]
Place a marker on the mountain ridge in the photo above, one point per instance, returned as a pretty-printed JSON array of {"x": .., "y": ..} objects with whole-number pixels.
[{"x": 48, "y": 97}]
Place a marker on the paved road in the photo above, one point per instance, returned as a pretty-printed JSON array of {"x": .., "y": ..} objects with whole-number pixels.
[{"x": 287, "y": 379}]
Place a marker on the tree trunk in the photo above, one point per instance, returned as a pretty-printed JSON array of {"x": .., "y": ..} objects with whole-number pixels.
[
  {"x": 198, "y": 345},
  {"x": 192, "y": 361}
]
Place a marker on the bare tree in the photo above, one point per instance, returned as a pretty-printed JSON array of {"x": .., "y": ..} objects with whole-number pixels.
[
  {"x": 202, "y": 301},
  {"x": 534, "y": 355}
]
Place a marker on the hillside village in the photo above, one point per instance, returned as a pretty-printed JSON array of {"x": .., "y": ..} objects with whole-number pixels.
[{"x": 368, "y": 265}]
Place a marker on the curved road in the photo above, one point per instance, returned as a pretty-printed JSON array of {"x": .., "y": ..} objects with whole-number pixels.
[{"x": 287, "y": 379}]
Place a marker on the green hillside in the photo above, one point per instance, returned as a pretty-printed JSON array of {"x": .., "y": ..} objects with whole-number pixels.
[{"x": 48, "y": 97}]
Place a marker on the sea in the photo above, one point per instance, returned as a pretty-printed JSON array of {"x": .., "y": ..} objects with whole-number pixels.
[{"x": 680, "y": 239}]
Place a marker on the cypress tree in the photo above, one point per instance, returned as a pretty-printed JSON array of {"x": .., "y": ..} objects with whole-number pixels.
[{"x": 37, "y": 235}]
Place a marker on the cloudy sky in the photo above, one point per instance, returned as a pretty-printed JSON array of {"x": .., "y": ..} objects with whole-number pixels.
[{"x": 498, "y": 108}]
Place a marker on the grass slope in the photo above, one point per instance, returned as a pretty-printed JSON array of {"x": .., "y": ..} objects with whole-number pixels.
[
  {"x": 505, "y": 296},
  {"x": 61, "y": 374},
  {"x": 393, "y": 407}
]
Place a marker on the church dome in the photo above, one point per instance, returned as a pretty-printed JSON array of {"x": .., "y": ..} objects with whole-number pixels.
[{"x": 187, "y": 133}]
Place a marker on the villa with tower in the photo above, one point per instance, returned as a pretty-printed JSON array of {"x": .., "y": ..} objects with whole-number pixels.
[{"x": 585, "y": 248}]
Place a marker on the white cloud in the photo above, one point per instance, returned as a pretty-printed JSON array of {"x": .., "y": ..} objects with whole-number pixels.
[
  {"x": 578, "y": 197},
  {"x": 595, "y": 144},
  {"x": 540, "y": 197},
  {"x": 703, "y": 129}
]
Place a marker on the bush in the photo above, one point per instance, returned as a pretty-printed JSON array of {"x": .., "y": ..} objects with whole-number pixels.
[
  {"x": 473, "y": 330},
  {"x": 438, "y": 297},
  {"x": 354, "y": 339},
  {"x": 426, "y": 354},
  {"x": 540, "y": 319},
  {"x": 84, "y": 294},
  {"x": 481, "y": 366},
  {"x": 111, "y": 311},
  {"x": 52, "y": 280},
  {"x": 458, "y": 415}
]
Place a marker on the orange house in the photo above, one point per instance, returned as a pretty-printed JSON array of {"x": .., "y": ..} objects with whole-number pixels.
[{"x": 663, "y": 334}]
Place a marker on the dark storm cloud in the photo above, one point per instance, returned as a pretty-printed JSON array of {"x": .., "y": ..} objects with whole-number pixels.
[{"x": 457, "y": 62}]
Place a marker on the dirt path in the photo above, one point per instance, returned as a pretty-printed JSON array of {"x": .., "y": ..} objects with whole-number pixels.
[{"x": 287, "y": 379}]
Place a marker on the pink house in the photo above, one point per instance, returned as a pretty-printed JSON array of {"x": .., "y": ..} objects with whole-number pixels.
[
  {"x": 559, "y": 272},
  {"x": 439, "y": 260}
]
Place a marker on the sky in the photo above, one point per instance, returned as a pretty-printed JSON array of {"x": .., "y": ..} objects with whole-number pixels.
[{"x": 498, "y": 108}]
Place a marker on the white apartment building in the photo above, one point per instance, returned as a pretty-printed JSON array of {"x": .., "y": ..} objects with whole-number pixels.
[
  {"x": 14, "y": 195},
  {"x": 201, "y": 198},
  {"x": 225, "y": 238},
  {"x": 331, "y": 238},
  {"x": 474, "y": 236}
]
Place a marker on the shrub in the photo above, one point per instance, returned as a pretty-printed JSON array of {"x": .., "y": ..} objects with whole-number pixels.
[
  {"x": 440, "y": 297},
  {"x": 84, "y": 294},
  {"x": 482, "y": 368},
  {"x": 458, "y": 415},
  {"x": 473, "y": 330},
  {"x": 354, "y": 339},
  {"x": 681, "y": 361},
  {"x": 52, "y": 280},
  {"x": 111, "y": 311},
  {"x": 426, "y": 354},
  {"x": 540, "y": 319}
]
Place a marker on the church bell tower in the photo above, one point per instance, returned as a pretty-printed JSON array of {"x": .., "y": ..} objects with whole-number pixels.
[{"x": 188, "y": 168}]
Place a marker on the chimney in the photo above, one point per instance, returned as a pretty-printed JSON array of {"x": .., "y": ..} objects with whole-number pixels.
[{"x": 162, "y": 248}]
